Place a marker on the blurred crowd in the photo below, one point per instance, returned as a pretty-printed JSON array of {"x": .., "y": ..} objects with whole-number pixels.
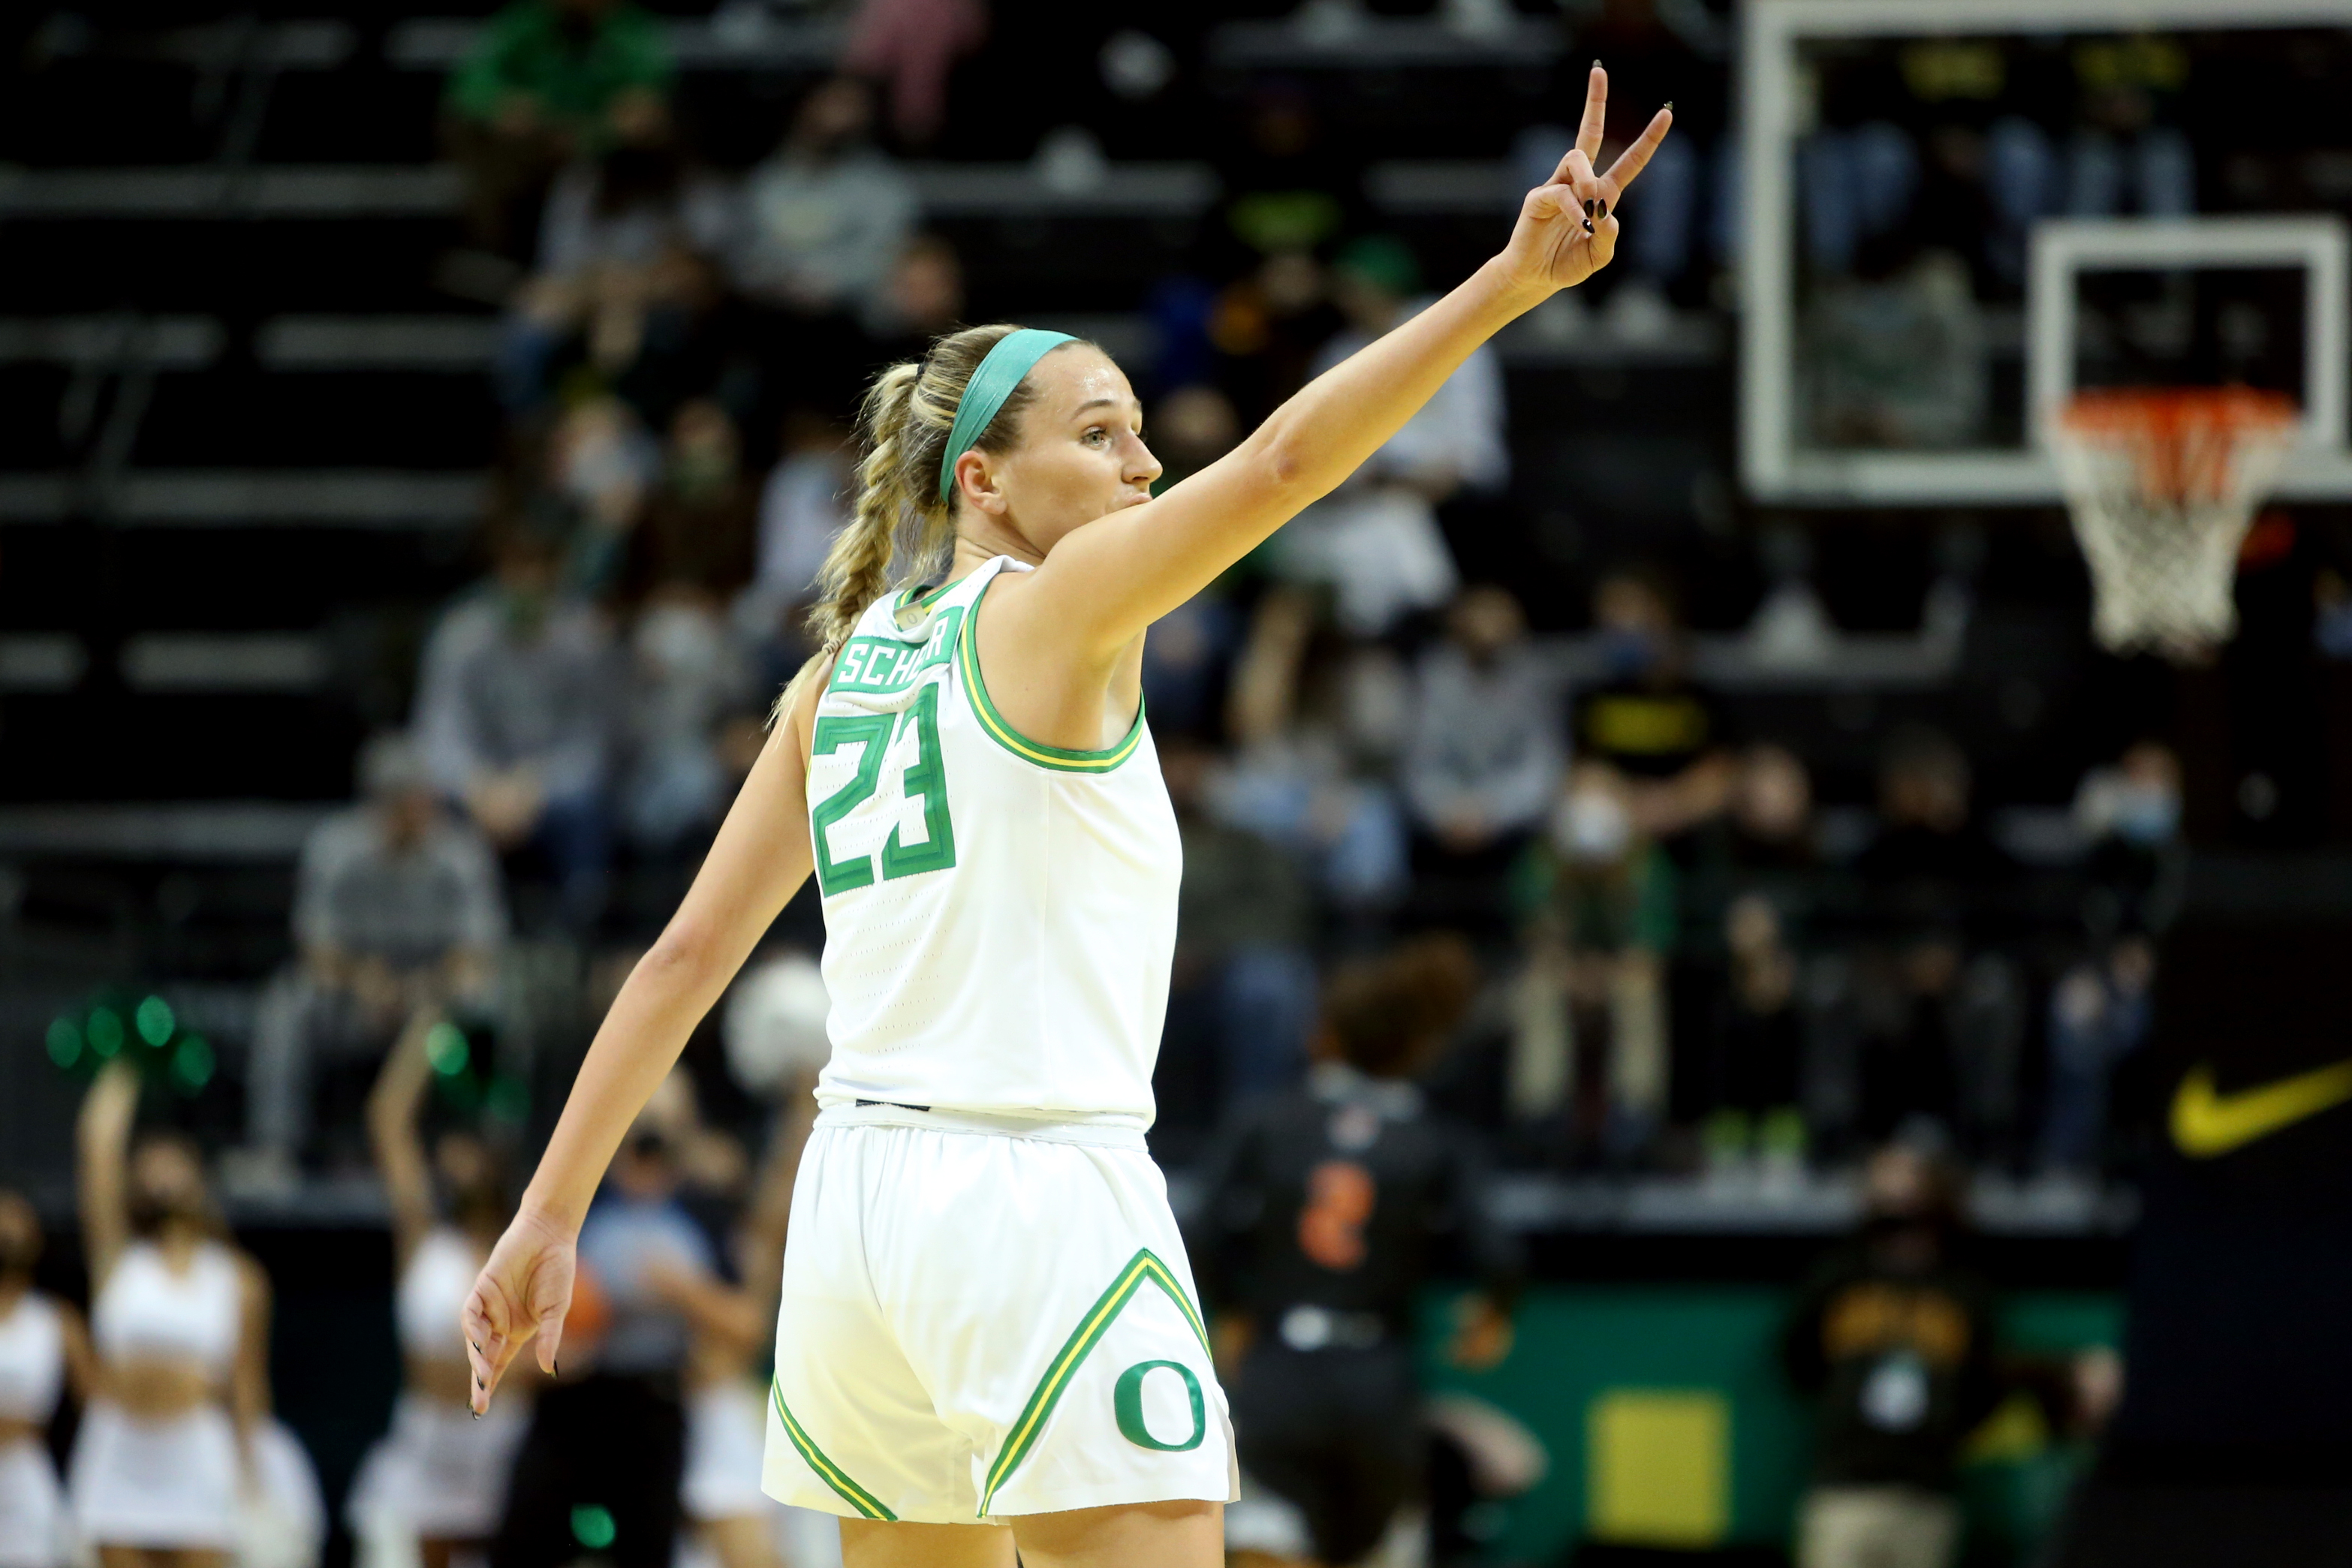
[
  {"x": 1459, "y": 893},
  {"x": 1681, "y": 967}
]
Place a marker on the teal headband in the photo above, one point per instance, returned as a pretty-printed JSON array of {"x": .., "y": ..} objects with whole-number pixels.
[{"x": 1010, "y": 359}]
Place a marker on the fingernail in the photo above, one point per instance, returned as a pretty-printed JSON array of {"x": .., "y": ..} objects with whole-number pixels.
[
  {"x": 1588, "y": 226},
  {"x": 1670, "y": 106},
  {"x": 1602, "y": 210}
]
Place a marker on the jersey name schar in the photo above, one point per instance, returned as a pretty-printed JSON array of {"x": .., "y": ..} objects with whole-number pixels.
[{"x": 900, "y": 763}]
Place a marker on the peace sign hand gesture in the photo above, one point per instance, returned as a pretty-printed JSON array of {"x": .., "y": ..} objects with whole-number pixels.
[{"x": 1567, "y": 225}]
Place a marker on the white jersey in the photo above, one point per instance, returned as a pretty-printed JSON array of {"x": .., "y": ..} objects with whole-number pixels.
[{"x": 1000, "y": 915}]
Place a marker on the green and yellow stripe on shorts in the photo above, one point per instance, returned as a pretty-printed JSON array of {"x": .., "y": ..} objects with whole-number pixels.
[
  {"x": 1096, "y": 1322},
  {"x": 832, "y": 1475}
]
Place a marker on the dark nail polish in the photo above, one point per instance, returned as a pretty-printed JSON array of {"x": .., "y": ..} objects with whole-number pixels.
[
  {"x": 1670, "y": 106},
  {"x": 1601, "y": 209},
  {"x": 1588, "y": 226}
]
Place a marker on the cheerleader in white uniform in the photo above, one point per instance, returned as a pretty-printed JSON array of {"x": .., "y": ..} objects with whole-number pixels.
[
  {"x": 437, "y": 1481},
  {"x": 44, "y": 1352},
  {"x": 181, "y": 1320}
]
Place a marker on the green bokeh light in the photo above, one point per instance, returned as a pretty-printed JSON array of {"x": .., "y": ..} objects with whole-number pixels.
[
  {"x": 105, "y": 1032},
  {"x": 446, "y": 1048},
  {"x": 192, "y": 1062},
  {"x": 156, "y": 1021},
  {"x": 510, "y": 1098},
  {"x": 592, "y": 1526},
  {"x": 65, "y": 1042}
]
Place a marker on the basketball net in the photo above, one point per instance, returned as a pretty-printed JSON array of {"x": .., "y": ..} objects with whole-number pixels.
[{"x": 2162, "y": 485}]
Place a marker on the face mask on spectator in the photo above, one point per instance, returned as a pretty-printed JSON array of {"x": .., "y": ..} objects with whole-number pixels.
[
  {"x": 1629, "y": 651},
  {"x": 697, "y": 473},
  {"x": 2145, "y": 814},
  {"x": 1590, "y": 827}
]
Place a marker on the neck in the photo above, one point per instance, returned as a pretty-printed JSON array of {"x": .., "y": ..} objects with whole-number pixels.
[
  {"x": 977, "y": 545},
  {"x": 12, "y": 1291}
]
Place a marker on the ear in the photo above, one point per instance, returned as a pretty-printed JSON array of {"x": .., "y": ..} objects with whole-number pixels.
[{"x": 975, "y": 478}]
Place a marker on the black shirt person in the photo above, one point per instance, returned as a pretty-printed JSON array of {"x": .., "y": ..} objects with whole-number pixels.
[
  {"x": 1895, "y": 1340},
  {"x": 1325, "y": 1209}
]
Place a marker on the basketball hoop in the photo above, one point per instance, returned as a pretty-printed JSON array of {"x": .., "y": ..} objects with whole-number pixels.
[{"x": 2163, "y": 484}]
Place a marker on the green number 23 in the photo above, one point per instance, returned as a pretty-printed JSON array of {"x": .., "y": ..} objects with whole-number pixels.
[{"x": 925, "y": 778}]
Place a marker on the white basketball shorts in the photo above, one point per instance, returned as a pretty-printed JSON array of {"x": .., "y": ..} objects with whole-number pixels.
[{"x": 983, "y": 1318}]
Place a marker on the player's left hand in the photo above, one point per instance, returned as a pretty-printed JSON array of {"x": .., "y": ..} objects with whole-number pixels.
[
  {"x": 522, "y": 1293},
  {"x": 1567, "y": 225}
]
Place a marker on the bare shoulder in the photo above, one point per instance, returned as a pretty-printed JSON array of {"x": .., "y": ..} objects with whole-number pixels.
[
  {"x": 253, "y": 1281},
  {"x": 796, "y": 709}
]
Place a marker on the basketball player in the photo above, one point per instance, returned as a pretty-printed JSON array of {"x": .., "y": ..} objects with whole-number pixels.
[
  {"x": 987, "y": 1319},
  {"x": 1322, "y": 1211}
]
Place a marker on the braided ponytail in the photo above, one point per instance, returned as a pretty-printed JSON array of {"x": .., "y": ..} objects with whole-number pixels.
[{"x": 898, "y": 525}]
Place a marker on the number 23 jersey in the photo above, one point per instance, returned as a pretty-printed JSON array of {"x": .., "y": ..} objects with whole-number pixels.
[{"x": 999, "y": 914}]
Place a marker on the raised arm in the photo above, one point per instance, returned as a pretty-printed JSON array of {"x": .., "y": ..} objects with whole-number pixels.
[
  {"x": 101, "y": 1157},
  {"x": 1106, "y": 582},
  {"x": 758, "y": 862},
  {"x": 392, "y": 1110}
]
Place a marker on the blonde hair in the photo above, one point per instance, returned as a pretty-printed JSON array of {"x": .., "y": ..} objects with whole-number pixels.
[{"x": 899, "y": 526}]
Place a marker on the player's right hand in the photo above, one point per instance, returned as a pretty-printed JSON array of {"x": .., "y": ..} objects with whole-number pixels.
[
  {"x": 1567, "y": 229},
  {"x": 522, "y": 1293}
]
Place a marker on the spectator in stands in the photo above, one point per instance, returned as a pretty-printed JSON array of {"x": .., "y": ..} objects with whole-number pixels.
[
  {"x": 397, "y": 910},
  {"x": 826, "y": 217},
  {"x": 1592, "y": 1044},
  {"x": 1322, "y": 1210},
  {"x": 1760, "y": 895},
  {"x": 804, "y": 503},
  {"x": 912, "y": 45},
  {"x": 1646, "y": 718},
  {"x": 548, "y": 81},
  {"x": 922, "y": 298},
  {"x": 2100, "y": 1009},
  {"x": 1377, "y": 539},
  {"x": 691, "y": 693},
  {"x": 1310, "y": 717},
  {"x": 600, "y": 466},
  {"x": 1771, "y": 824},
  {"x": 1893, "y": 1338},
  {"x": 700, "y": 526},
  {"x": 516, "y": 710},
  {"x": 1243, "y": 976},
  {"x": 1941, "y": 1009},
  {"x": 1759, "y": 1048},
  {"x": 622, "y": 268},
  {"x": 1483, "y": 763},
  {"x": 692, "y": 722}
]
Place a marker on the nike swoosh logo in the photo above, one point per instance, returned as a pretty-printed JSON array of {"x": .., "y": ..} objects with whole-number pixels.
[{"x": 2206, "y": 1124}]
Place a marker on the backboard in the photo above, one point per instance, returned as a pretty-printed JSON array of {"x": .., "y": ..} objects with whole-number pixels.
[{"x": 1956, "y": 214}]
